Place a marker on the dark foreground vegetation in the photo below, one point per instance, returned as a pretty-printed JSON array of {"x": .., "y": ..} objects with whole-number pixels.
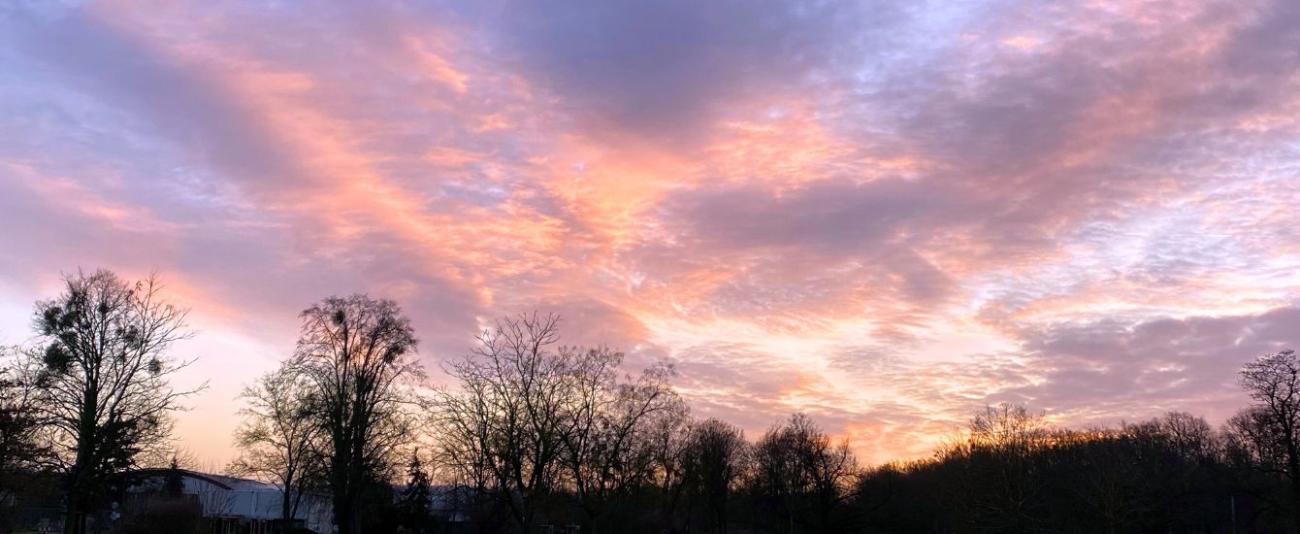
[{"x": 539, "y": 437}]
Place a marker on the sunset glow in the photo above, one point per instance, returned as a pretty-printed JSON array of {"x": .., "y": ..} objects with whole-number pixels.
[{"x": 882, "y": 214}]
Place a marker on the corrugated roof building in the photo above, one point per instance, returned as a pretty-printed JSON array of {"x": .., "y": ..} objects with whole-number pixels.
[{"x": 238, "y": 500}]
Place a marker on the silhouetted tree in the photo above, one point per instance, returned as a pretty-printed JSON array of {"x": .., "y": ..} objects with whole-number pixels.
[
  {"x": 21, "y": 449},
  {"x": 802, "y": 476},
  {"x": 1176, "y": 469},
  {"x": 103, "y": 380},
  {"x": 608, "y": 448},
  {"x": 355, "y": 355},
  {"x": 667, "y": 441},
  {"x": 1014, "y": 473},
  {"x": 280, "y": 436},
  {"x": 1000, "y": 449},
  {"x": 505, "y": 429},
  {"x": 415, "y": 501},
  {"x": 174, "y": 482},
  {"x": 1270, "y": 428},
  {"x": 713, "y": 460}
]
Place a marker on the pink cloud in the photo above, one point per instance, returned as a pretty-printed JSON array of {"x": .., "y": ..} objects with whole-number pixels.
[{"x": 882, "y": 216}]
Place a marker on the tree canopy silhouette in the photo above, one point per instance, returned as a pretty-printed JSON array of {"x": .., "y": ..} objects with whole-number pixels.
[
  {"x": 355, "y": 354},
  {"x": 102, "y": 380}
]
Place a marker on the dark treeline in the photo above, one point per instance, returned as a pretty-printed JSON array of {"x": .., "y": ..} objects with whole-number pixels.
[
  {"x": 1015, "y": 474},
  {"x": 534, "y": 434}
]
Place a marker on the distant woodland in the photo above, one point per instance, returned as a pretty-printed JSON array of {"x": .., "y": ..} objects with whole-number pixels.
[{"x": 538, "y": 436}]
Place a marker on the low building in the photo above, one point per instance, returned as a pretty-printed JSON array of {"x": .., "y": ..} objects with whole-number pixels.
[{"x": 231, "y": 504}]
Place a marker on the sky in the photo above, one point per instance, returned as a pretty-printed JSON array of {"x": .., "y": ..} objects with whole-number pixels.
[{"x": 885, "y": 215}]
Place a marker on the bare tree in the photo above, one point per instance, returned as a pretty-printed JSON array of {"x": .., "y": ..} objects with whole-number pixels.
[
  {"x": 802, "y": 473},
  {"x": 999, "y": 451},
  {"x": 1252, "y": 439},
  {"x": 1008, "y": 426},
  {"x": 668, "y": 438},
  {"x": 505, "y": 429},
  {"x": 713, "y": 460},
  {"x": 1271, "y": 426},
  {"x": 466, "y": 426},
  {"x": 279, "y": 436},
  {"x": 1187, "y": 435},
  {"x": 609, "y": 448},
  {"x": 103, "y": 379},
  {"x": 21, "y": 449},
  {"x": 355, "y": 354}
]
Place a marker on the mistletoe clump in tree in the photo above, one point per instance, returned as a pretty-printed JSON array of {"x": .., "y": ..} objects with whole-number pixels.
[{"x": 102, "y": 380}]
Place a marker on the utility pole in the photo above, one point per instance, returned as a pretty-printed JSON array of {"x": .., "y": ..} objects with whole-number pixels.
[{"x": 1232, "y": 503}]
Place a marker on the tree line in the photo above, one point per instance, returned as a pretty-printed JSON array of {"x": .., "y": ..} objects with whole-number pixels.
[{"x": 534, "y": 434}]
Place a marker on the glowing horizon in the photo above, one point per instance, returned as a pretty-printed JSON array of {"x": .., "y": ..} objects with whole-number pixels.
[{"x": 882, "y": 216}]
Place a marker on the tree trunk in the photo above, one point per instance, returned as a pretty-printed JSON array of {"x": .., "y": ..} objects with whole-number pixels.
[
  {"x": 343, "y": 518},
  {"x": 74, "y": 521},
  {"x": 286, "y": 504},
  {"x": 76, "y": 501},
  {"x": 1293, "y": 469},
  {"x": 1295, "y": 503}
]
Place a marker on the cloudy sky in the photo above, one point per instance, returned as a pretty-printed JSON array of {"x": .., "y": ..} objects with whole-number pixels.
[{"x": 883, "y": 214}]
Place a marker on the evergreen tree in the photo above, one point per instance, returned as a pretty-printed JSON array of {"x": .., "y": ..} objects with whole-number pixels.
[
  {"x": 415, "y": 499},
  {"x": 173, "y": 485}
]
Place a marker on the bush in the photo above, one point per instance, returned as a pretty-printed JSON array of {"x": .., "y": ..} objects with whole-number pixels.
[{"x": 167, "y": 517}]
